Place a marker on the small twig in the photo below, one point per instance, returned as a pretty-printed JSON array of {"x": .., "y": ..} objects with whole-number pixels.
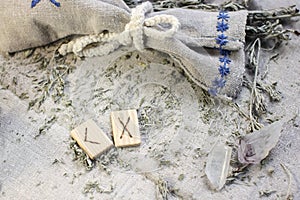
[
  {"x": 273, "y": 14},
  {"x": 57, "y": 78},
  {"x": 236, "y": 106},
  {"x": 254, "y": 91},
  {"x": 287, "y": 171}
]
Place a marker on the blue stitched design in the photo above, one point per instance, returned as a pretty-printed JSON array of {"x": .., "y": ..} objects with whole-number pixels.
[
  {"x": 219, "y": 82},
  {"x": 224, "y": 70},
  {"x": 221, "y": 40},
  {"x": 225, "y": 60},
  {"x": 222, "y": 27},
  {"x": 35, "y": 2},
  {"x": 223, "y": 15}
]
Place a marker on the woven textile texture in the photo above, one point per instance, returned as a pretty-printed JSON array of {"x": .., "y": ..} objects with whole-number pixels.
[{"x": 192, "y": 45}]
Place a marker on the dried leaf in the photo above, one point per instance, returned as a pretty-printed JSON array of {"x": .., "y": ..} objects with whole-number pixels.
[{"x": 255, "y": 146}]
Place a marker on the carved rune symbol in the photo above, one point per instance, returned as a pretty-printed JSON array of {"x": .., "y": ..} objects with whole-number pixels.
[
  {"x": 125, "y": 127},
  {"x": 86, "y": 140}
]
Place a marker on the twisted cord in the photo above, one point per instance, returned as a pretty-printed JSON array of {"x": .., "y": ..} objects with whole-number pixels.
[{"x": 133, "y": 34}]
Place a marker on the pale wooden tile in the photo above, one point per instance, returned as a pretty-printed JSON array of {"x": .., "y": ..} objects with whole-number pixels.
[
  {"x": 91, "y": 138},
  {"x": 125, "y": 128}
]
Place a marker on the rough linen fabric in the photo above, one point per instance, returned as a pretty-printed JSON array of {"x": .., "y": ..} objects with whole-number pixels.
[{"x": 193, "y": 46}]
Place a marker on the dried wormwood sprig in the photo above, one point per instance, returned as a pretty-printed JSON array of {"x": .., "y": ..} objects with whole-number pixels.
[
  {"x": 81, "y": 156},
  {"x": 268, "y": 25}
]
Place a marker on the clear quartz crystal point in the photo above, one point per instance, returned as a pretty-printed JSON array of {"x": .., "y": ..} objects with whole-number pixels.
[
  {"x": 217, "y": 165},
  {"x": 256, "y": 146}
]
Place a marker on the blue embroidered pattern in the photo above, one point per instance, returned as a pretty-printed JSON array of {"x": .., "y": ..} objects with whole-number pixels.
[
  {"x": 221, "y": 40},
  {"x": 35, "y": 2}
]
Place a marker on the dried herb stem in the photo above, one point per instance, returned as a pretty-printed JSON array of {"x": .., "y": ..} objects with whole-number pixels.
[
  {"x": 288, "y": 193},
  {"x": 254, "y": 57},
  {"x": 274, "y": 14}
]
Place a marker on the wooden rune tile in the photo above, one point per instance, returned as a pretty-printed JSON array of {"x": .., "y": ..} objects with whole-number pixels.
[
  {"x": 91, "y": 139},
  {"x": 125, "y": 128}
]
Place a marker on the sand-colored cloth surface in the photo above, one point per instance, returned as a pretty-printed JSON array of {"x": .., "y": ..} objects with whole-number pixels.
[
  {"x": 178, "y": 123},
  {"x": 189, "y": 41}
]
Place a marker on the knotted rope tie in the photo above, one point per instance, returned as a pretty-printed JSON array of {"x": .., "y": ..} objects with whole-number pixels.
[{"x": 132, "y": 35}]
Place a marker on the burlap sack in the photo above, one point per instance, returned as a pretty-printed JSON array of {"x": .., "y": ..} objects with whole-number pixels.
[{"x": 192, "y": 44}]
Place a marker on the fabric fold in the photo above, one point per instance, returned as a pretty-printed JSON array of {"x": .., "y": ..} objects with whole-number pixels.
[{"x": 187, "y": 36}]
